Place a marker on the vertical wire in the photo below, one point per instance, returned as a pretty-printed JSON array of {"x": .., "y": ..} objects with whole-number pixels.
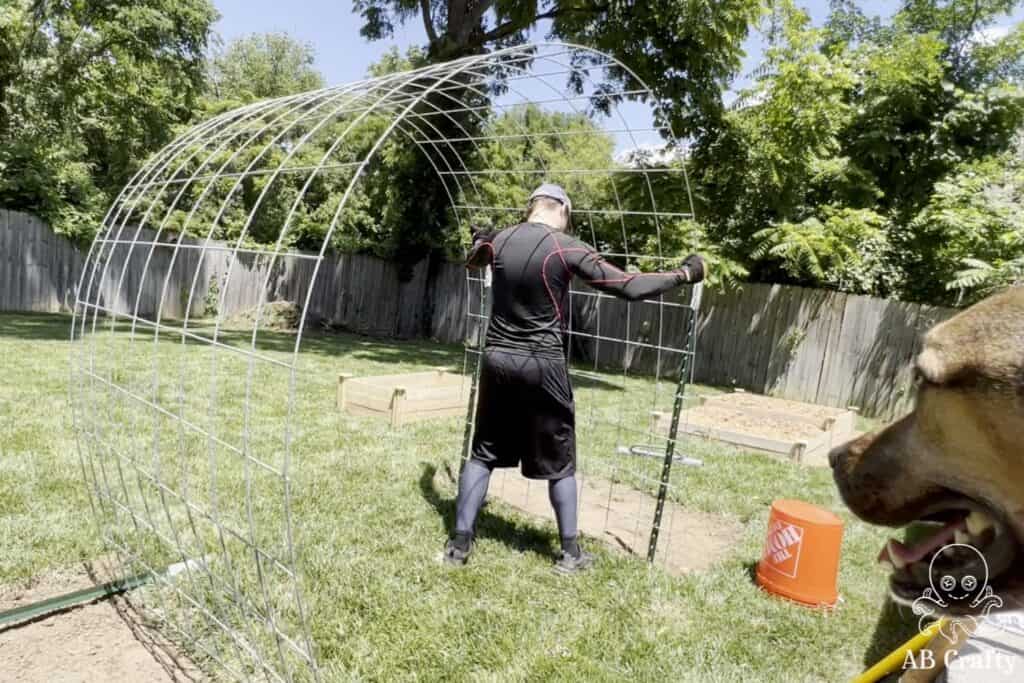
[
  {"x": 160, "y": 161},
  {"x": 288, "y": 105},
  {"x": 282, "y": 103},
  {"x": 305, "y": 308},
  {"x": 246, "y": 415},
  {"x": 157, "y": 167}
]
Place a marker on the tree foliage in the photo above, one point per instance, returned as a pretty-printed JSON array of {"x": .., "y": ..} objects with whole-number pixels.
[
  {"x": 685, "y": 50},
  {"x": 850, "y": 159},
  {"x": 260, "y": 66},
  {"x": 975, "y": 220},
  {"x": 88, "y": 89},
  {"x": 871, "y": 155}
]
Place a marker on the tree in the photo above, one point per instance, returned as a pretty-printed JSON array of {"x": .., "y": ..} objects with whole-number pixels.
[
  {"x": 686, "y": 50},
  {"x": 260, "y": 66},
  {"x": 87, "y": 90},
  {"x": 961, "y": 26},
  {"x": 832, "y": 167},
  {"x": 975, "y": 221}
]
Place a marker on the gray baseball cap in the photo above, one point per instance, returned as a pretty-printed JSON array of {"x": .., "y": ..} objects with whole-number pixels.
[{"x": 552, "y": 191}]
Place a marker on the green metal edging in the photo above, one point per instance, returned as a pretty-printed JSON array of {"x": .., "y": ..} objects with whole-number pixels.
[{"x": 69, "y": 600}]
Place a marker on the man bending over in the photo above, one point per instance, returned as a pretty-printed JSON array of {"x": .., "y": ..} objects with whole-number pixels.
[{"x": 525, "y": 412}]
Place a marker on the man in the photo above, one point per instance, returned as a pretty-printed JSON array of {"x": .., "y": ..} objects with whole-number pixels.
[{"x": 525, "y": 414}]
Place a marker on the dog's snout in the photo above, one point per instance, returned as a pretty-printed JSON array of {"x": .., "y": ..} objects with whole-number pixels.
[{"x": 834, "y": 455}]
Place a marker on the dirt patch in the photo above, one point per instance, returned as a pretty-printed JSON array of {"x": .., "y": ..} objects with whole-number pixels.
[
  {"x": 757, "y": 401},
  {"x": 737, "y": 420},
  {"x": 103, "y": 641},
  {"x": 621, "y": 516}
]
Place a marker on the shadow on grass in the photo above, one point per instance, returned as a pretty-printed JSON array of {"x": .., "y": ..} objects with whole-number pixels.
[
  {"x": 892, "y": 629},
  {"x": 519, "y": 537},
  {"x": 374, "y": 349},
  {"x": 57, "y": 327},
  {"x": 592, "y": 381},
  {"x": 36, "y": 326}
]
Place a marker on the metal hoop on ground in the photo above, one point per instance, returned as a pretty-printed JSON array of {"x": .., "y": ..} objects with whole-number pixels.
[{"x": 188, "y": 426}]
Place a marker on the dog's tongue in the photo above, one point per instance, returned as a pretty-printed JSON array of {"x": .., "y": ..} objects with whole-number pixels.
[{"x": 904, "y": 554}]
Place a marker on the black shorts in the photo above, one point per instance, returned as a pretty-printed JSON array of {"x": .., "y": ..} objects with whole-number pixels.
[{"x": 525, "y": 414}]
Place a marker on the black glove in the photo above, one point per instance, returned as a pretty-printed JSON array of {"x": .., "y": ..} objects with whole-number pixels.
[{"x": 693, "y": 269}]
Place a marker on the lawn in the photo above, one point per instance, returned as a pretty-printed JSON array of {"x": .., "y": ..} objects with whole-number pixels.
[{"x": 371, "y": 508}]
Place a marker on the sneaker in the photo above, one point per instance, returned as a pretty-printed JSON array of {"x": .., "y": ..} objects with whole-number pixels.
[
  {"x": 573, "y": 564},
  {"x": 455, "y": 555}
]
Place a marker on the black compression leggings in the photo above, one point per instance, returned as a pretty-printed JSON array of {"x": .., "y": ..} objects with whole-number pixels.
[{"x": 473, "y": 483}]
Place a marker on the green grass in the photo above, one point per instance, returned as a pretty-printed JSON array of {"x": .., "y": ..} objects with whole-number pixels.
[{"x": 372, "y": 507}]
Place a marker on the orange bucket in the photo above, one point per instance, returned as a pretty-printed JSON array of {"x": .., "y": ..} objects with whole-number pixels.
[{"x": 801, "y": 553}]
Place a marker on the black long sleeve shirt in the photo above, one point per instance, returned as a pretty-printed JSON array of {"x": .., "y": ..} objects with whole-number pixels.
[{"x": 532, "y": 267}]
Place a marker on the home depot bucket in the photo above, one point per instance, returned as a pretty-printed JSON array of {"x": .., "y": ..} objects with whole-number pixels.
[{"x": 801, "y": 553}]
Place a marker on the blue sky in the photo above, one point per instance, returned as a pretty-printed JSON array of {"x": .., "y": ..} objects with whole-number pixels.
[{"x": 343, "y": 55}]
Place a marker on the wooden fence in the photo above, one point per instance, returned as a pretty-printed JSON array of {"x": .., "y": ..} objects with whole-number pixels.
[{"x": 803, "y": 344}]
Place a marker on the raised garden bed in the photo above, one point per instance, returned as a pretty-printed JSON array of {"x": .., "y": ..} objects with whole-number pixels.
[
  {"x": 802, "y": 432},
  {"x": 405, "y": 398}
]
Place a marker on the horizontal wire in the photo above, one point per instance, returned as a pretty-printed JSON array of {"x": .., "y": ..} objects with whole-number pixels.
[
  {"x": 627, "y": 342},
  {"x": 521, "y": 136},
  {"x": 524, "y": 102},
  {"x": 197, "y": 509},
  {"x": 215, "y": 247},
  {"x": 210, "y": 616},
  {"x": 555, "y": 171},
  {"x": 616, "y": 212},
  {"x": 639, "y": 302},
  {"x": 248, "y": 353},
  {"x": 638, "y": 256},
  {"x": 196, "y": 428},
  {"x": 242, "y": 174}
]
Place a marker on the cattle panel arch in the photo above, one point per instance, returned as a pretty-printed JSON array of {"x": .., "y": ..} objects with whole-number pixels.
[{"x": 192, "y": 426}]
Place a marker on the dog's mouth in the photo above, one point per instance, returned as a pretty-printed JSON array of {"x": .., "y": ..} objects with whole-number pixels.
[{"x": 955, "y": 550}]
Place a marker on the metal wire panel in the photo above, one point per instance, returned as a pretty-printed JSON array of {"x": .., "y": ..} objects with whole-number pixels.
[{"x": 188, "y": 427}]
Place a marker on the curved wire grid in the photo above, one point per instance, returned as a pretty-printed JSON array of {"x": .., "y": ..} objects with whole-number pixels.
[{"x": 187, "y": 426}]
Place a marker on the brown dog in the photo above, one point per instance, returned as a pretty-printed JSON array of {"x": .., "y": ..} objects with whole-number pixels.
[{"x": 956, "y": 462}]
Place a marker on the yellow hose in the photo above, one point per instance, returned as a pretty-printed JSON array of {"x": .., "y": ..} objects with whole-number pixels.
[{"x": 894, "y": 660}]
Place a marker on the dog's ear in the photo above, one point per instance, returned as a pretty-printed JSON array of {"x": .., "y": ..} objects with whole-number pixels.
[{"x": 984, "y": 340}]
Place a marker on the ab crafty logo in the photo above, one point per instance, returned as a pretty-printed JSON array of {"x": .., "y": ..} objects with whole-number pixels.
[{"x": 963, "y": 588}]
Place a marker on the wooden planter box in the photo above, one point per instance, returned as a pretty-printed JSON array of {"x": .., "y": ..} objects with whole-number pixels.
[
  {"x": 803, "y": 433},
  {"x": 405, "y": 398}
]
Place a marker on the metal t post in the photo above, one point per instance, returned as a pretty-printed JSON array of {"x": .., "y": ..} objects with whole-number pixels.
[
  {"x": 467, "y": 437},
  {"x": 685, "y": 374}
]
